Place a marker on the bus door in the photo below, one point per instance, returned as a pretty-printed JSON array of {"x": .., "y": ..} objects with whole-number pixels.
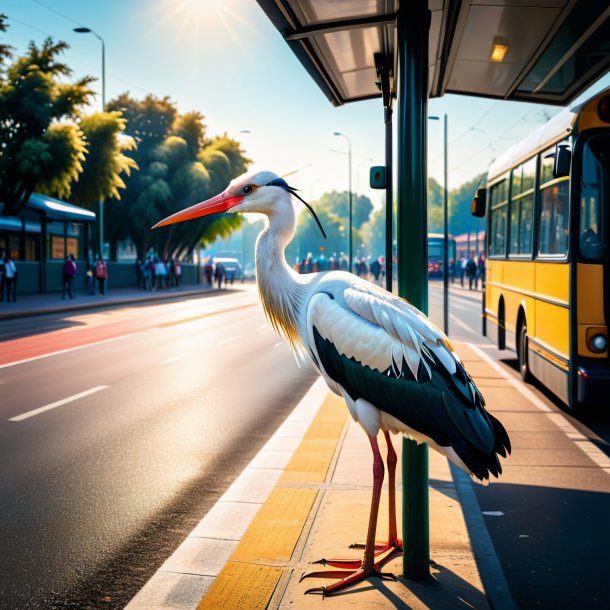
[{"x": 591, "y": 368}]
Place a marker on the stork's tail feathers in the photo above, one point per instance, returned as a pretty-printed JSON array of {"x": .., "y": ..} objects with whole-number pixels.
[{"x": 502, "y": 444}]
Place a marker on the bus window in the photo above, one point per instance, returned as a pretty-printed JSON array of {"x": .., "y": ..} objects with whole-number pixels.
[
  {"x": 521, "y": 208},
  {"x": 594, "y": 188},
  {"x": 498, "y": 210},
  {"x": 554, "y": 219}
]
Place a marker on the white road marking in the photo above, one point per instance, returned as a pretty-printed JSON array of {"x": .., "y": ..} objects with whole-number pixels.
[
  {"x": 493, "y": 513},
  {"x": 230, "y": 339},
  {"x": 577, "y": 437},
  {"x": 59, "y": 403},
  {"x": 170, "y": 360},
  {"x": 279, "y": 344}
]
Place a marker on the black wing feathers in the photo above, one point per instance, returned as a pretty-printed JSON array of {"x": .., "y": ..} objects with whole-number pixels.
[{"x": 447, "y": 408}]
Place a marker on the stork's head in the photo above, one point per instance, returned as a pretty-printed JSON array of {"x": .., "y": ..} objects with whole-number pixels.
[{"x": 263, "y": 192}]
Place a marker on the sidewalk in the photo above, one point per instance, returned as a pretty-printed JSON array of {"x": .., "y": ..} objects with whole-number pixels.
[
  {"x": 34, "y": 304},
  {"x": 290, "y": 508}
]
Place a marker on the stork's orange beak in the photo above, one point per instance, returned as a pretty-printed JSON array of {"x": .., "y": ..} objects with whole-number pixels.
[{"x": 215, "y": 205}]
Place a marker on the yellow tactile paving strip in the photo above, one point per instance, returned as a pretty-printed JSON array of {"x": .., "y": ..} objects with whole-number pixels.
[{"x": 246, "y": 582}]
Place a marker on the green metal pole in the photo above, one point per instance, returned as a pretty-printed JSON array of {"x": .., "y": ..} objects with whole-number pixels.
[{"x": 413, "y": 23}]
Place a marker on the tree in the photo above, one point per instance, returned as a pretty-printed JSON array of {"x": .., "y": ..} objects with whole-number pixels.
[
  {"x": 338, "y": 204},
  {"x": 41, "y": 148},
  {"x": 179, "y": 166},
  {"x": 105, "y": 162}
]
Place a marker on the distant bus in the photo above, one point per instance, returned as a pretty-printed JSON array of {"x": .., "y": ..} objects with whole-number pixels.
[
  {"x": 547, "y": 290},
  {"x": 435, "y": 253}
]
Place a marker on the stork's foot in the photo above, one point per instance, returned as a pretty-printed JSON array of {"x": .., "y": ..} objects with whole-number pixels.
[
  {"x": 351, "y": 579},
  {"x": 384, "y": 551}
]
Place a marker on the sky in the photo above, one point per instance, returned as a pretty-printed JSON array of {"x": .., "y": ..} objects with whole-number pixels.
[{"x": 226, "y": 60}]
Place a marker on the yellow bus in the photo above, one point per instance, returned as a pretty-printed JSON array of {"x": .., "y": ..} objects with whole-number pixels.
[{"x": 547, "y": 289}]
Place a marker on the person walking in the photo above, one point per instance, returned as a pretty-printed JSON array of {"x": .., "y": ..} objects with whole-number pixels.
[
  {"x": 219, "y": 273},
  {"x": 209, "y": 272},
  {"x": 471, "y": 271},
  {"x": 146, "y": 276},
  {"x": 10, "y": 278},
  {"x": 69, "y": 275},
  {"x": 177, "y": 272},
  {"x": 101, "y": 273},
  {"x": 160, "y": 274},
  {"x": 2, "y": 268}
]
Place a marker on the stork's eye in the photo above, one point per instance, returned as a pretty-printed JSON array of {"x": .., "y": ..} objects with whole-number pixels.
[{"x": 249, "y": 188}]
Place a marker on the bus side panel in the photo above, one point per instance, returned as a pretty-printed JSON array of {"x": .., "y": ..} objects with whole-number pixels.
[
  {"x": 550, "y": 337},
  {"x": 553, "y": 320},
  {"x": 493, "y": 276},
  {"x": 520, "y": 276}
]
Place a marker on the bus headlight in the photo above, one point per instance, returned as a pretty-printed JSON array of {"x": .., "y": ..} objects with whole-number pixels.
[{"x": 598, "y": 343}]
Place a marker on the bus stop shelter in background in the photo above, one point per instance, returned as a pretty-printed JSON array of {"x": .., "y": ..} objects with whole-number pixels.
[{"x": 547, "y": 52}]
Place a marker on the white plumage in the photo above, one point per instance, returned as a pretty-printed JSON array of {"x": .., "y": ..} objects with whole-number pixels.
[{"x": 396, "y": 371}]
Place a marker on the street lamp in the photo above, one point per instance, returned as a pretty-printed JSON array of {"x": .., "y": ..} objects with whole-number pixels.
[
  {"x": 349, "y": 224},
  {"x": 83, "y": 30}
]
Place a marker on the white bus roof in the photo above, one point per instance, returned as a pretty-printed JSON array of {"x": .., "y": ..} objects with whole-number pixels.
[{"x": 553, "y": 131}]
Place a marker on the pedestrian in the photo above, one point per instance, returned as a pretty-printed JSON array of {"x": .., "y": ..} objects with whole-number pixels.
[
  {"x": 451, "y": 270},
  {"x": 10, "y": 278},
  {"x": 152, "y": 267},
  {"x": 471, "y": 271},
  {"x": 160, "y": 274},
  {"x": 376, "y": 270},
  {"x": 2, "y": 255},
  {"x": 146, "y": 276},
  {"x": 177, "y": 272},
  {"x": 69, "y": 275},
  {"x": 139, "y": 276},
  {"x": 209, "y": 272},
  {"x": 90, "y": 279},
  {"x": 219, "y": 273},
  {"x": 481, "y": 270},
  {"x": 101, "y": 273},
  {"x": 463, "y": 262}
]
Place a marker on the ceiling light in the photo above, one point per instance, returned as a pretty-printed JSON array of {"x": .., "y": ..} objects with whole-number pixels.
[{"x": 499, "y": 49}]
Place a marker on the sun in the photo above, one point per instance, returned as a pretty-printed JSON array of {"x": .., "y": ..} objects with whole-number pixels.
[{"x": 192, "y": 19}]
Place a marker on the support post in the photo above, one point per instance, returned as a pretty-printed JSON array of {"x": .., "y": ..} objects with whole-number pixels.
[
  {"x": 413, "y": 22},
  {"x": 445, "y": 234}
]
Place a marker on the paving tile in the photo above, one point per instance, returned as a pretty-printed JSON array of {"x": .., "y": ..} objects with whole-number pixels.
[
  {"x": 226, "y": 520},
  {"x": 202, "y": 556},
  {"x": 169, "y": 591}
]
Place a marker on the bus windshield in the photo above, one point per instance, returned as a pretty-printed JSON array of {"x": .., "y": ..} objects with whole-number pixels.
[{"x": 594, "y": 199}]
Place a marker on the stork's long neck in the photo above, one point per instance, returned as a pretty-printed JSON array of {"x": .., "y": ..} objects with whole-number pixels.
[{"x": 280, "y": 288}]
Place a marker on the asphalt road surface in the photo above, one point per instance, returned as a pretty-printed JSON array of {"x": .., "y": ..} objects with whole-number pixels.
[
  {"x": 114, "y": 446},
  {"x": 120, "y": 427}
]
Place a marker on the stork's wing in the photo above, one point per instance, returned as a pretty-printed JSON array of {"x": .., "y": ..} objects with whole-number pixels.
[{"x": 380, "y": 348}]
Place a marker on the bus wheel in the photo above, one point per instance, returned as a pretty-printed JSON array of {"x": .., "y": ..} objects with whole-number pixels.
[{"x": 524, "y": 368}]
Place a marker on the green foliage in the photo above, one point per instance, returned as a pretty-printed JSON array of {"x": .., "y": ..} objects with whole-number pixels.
[
  {"x": 105, "y": 162},
  {"x": 41, "y": 148},
  {"x": 460, "y": 218},
  {"x": 333, "y": 210},
  {"x": 179, "y": 167},
  {"x": 5, "y": 50}
]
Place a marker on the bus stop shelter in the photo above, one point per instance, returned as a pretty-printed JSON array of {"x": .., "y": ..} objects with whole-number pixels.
[{"x": 545, "y": 51}]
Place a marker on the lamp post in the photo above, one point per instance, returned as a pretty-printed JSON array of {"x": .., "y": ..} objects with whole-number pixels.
[
  {"x": 445, "y": 229},
  {"x": 349, "y": 224},
  {"x": 83, "y": 30}
]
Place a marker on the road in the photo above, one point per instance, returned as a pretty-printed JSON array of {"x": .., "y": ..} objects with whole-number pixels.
[
  {"x": 120, "y": 428},
  {"x": 116, "y": 444}
]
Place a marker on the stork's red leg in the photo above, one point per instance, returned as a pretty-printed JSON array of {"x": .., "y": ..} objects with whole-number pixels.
[
  {"x": 393, "y": 541},
  {"x": 368, "y": 566}
]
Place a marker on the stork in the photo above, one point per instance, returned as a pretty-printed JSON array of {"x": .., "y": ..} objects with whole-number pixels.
[{"x": 395, "y": 370}]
